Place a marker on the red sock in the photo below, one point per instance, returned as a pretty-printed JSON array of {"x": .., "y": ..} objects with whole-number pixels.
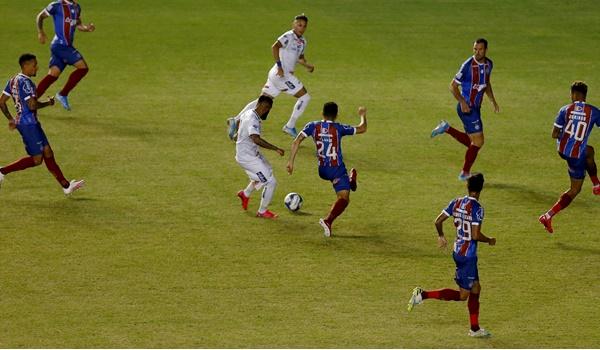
[
  {"x": 595, "y": 180},
  {"x": 54, "y": 169},
  {"x": 562, "y": 203},
  {"x": 337, "y": 208},
  {"x": 74, "y": 78},
  {"x": 45, "y": 84},
  {"x": 459, "y": 136},
  {"x": 473, "y": 305},
  {"x": 21, "y": 164},
  {"x": 470, "y": 157},
  {"x": 442, "y": 294}
]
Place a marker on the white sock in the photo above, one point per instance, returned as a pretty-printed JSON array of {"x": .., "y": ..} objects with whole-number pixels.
[
  {"x": 248, "y": 190},
  {"x": 299, "y": 108},
  {"x": 248, "y": 107},
  {"x": 267, "y": 195}
]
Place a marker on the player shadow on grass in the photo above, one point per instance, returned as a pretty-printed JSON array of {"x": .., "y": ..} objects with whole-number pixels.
[
  {"x": 568, "y": 247},
  {"x": 524, "y": 192}
]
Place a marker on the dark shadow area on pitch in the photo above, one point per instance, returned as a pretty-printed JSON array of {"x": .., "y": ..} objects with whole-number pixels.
[
  {"x": 524, "y": 192},
  {"x": 591, "y": 251}
]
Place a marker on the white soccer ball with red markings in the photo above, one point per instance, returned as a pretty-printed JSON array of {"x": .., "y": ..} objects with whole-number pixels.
[{"x": 293, "y": 201}]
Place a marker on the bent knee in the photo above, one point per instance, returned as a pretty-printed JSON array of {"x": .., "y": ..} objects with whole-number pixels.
[{"x": 37, "y": 160}]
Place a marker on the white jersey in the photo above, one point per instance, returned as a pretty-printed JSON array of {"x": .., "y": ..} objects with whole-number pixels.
[
  {"x": 245, "y": 149},
  {"x": 292, "y": 48}
]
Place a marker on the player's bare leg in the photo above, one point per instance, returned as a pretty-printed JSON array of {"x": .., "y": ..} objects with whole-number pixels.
[
  {"x": 563, "y": 202},
  {"x": 343, "y": 199},
  {"x": 49, "y": 79},
  {"x": 477, "y": 141},
  {"x": 303, "y": 99},
  {"x": 81, "y": 69},
  {"x": 592, "y": 170}
]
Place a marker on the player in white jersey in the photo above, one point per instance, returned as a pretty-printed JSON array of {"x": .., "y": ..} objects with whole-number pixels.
[
  {"x": 252, "y": 161},
  {"x": 288, "y": 50}
]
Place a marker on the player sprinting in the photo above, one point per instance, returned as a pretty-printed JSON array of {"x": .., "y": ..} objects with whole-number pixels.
[
  {"x": 468, "y": 218},
  {"x": 66, "y": 16},
  {"x": 22, "y": 90},
  {"x": 288, "y": 50},
  {"x": 327, "y": 135},
  {"x": 572, "y": 128},
  {"x": 252, "y": 161},
  {"x": 474, "y": 79}
]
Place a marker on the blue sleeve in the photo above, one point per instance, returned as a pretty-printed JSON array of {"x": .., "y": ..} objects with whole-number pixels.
[
  {"x": 346, "y": 130},
  {"x": 462, "y": 72},
  {"x": 26, "y": 89},
  {"x": 559, "y": 122},
  {"x": 449, "y": 209},
  {"x": 478, "y": 217},
  {"x": 308, "y": 130},
  {"x": 596, "y": 113},
  {"x": 51, "y": 8}
]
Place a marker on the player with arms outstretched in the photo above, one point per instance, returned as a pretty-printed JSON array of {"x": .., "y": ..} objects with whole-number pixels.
[
  {"x": 22, "y": 90},
  {"x": 288, "y": 50},
  {"x": 66, "y": 15},
  {"x": 468, "y": 218},
  {"x": 572, "y": 128},
  {"x": 252, "y": 161},
  {"x": 327, "y": 135},
  {"x": 474, "y": 80}
]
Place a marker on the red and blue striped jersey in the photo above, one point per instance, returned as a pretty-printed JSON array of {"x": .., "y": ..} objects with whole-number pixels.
[
  {"x": 328, "y": 139},
  {"x": 576, "y": 121},
  {"x": 467, "y": 212},
  {"x": 473, "y": 78},
  {"x": 21, "y": 89},
  {"x": 66, "y": 16}
]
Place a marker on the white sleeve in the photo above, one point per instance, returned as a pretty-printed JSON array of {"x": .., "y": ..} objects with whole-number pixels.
[
  {"x": 254, "y": 128},
  {"x": 284, "y": 40}
]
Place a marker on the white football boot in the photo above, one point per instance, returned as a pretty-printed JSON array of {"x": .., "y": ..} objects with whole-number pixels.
[{"x": 74, "y": 185}]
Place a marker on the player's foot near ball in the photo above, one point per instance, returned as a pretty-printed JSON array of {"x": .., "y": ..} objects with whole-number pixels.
[
  {"x": 267, "y": 215},
  {"x": 463, "y": 176},
  {"x": 231, "y": 128},
  {"x": 416, "y": 298},
  {"x": 74, "y": 185},
  {"x": 290, "y": 131},
  {"x": 440, "y": 128},
  {"x": 480, "y": 333},
  {"x": 64, "y": 101},
  {"x": 244, "y": 199},
  {"x": 546, "y": 220},
  {"x": 326, "y": 227},
  {"x": 595, "y": 190},
  {"x": 353, "y": 176}
]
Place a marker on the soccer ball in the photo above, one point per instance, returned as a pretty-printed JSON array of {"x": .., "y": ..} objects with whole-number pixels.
[{"x": 293, "y": 201}]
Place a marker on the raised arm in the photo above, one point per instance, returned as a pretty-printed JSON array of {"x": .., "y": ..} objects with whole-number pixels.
[
  {"x": 275, "y": 50},
  {"x": 34, "y": 104},
  {"x": 362, "y": 127},
  {"x": 85, "y": 27},
  {"x": 295, "y": 147},
  {"x": 40, "y": 26},
  {"x": 477, "y": 235},
  {"x": 439, "y": 225},
  {"x": 264, "y": 144}
]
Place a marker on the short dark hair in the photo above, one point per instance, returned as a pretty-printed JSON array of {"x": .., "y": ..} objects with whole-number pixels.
[
  {"x": 481, "y": 41},
  {"x": 475, "y": 182},
  {"x": 579, "y": 86},
  {"x": 265, "y": 99},
  {"x": 26, "y": 57},
  {"x": 330, "y": 109},
  {"x": 301, "y": 17}
]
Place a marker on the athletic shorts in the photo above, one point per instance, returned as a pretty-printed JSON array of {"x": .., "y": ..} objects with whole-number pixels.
[
  {"x": 275, "y": 84},
  {"x": 63, "y": 56},
  {"x": 576, "y": 166},
  {"x": 337, "y": 175},
  {"x": 34, "y": 138},
  {"x": 466, "y": 271},
  {"x": 471, "y": 121},
  {"x": 258, "y": 169}
]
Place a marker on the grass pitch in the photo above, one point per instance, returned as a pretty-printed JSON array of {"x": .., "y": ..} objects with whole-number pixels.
[{"x": 156, "y": 252}]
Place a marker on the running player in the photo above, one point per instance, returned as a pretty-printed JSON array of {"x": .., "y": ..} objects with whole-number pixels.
[
  {"x": 474, "y": 79},
  {"x": 22, "y": 90},
  {"x": 468, "y": 217},
  {"x": 67, "y": 16},
  {"x": 327, "y": 135},
  {"x": 252, "y": 161},
  {"x": 288, "y": 50},
  {"x": 572, "y": 128}
]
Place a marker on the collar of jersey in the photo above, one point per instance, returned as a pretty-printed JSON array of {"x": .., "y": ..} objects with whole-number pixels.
[
  {"x": 24, "y": 76},
  {"x": 328, "y": 121},
  {"x": 473, "y": 198}
]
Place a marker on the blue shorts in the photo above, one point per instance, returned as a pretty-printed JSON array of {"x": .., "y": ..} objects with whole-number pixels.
[
  {"x": 466, "y": 271},
  {"x": 337, "y": 175},
  {"x": 576, "y": 166},
  {"x": 63, "y": 56},
  {"x": 34, "y": 138},
  {"x": 471, "y": 121}
]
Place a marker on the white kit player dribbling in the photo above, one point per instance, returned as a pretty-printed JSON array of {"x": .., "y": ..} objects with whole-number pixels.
[
  {"x": 252, "y": 161},
  {"x": 288, "y": 50}
]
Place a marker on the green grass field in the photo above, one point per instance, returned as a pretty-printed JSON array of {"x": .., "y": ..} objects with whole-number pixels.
[{"x": 156, "y": 252}]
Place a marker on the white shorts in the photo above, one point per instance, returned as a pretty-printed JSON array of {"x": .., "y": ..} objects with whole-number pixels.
[
  {"x": 276, "y": 84},
  {"x": 258, "y": 169}
]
